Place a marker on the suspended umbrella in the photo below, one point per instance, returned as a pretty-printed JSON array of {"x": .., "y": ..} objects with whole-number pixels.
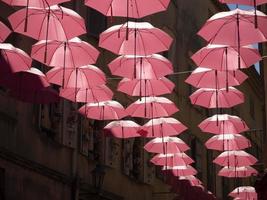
[
  {"x": 34, "y": 3},
  {"x": 228, "y": 142},
  {"x": 122, "y": 129},
  {"x": 44, "y": 95},
  {"x": 146, "y": 87},
  {"x": 82, "y": 77},
  {"x": 136, "y": 38},
  {"x": 152, "y": 107},
  {"x": 235, "y": 158},
  {"x": 171, "y": 159},
  {"x": 166, "y": 145},
  {"x": 161, "y": 127},
  {"x": 233, "y": 172},
  {"x": 186, "y": 170},
  {"x": 217, "y": 98},
  {"x": 4, "y": 32},
  {"x": 70, "y": 54},
  {"x": 192, "y": 180},
  {"x": 225, "y": 57},
  {"x": 105, "y": 110},
  {"x": 221, "y": 124},
  {"x": 246, "y": 192},
  {"x": 128, "y": 8},
  {"x": 87, "y": 95},
  {"x": 209, "y": 78},
  {"x": 152, "y": 66},
  {"x": 16, "y": 59}
]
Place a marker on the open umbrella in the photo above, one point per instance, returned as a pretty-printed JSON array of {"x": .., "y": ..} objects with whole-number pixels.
[
  {"x": 4, "y": 32},
  {"x": 166, "y": 145},
  {"x": 221, "y": 124},
  {"x": 235, "y": 158},
  {"x": 209, "y": 78},
  {"x": 185, "y": 170},
  {"x": 217, "y": 98},
  {"x": 245, "y": 192},
  {"x": 82, "y": 77},
  {"x": 161, "y": 127},
  {"x": 233, "y": 172},
  {"x": 87, "y": 95},
  {"x": 136, "y": 38},
  {"x": 105, "y": 110},
  {"x": 122, "y": 129},
  {"x": 146, "y": 87},
  {"x": 141, "y": 67},
  {"x": 128, "y": 8},
  {"x": 152, "y": 107},
  {"x": 16, "y": 59},
  {"x": 34, "y": 3},
  {"x": 171, "y": 159},
  {"x": 228, "y": 142},
  {"x": 194, "y": 181},
  {"x": 70, "y": 54}
]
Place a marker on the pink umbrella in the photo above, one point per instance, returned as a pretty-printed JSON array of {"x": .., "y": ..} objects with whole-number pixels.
[
  {"x": 228, "y": 142},
  {"x": 87, "y": 95},
  {"x": 82, "y": 77},
  {"x": 166, "y": 145},
  {"x": 135, "y": 38},
  {"x": 122, "y": 129},
  {"x": 70, "y": 54},
  {"x": 41, "y": 96},
  {"x": 213, "y": 98},
  {"x": 245, "y": 192},
  {"x": 192, "y": 180},
  {"x": 208, "y": 78},
  {"x": 32, "y": 79},
  {"x": 162, "y": 127},
  {"x": 52, "y": 23},
  {"x": 237, "y": 172},
  {"x": 220, "y": 124},
  {"x": 186, "y": 170},
  {"x": 128, "y": 8},
  {"x": 235, "y": 159},
  {"x": 152, "y": 107},
  {"x": 4, "y": 32},
  {"x": 146, "y": 87},
  {"x": 34, "y": 3},
  {"x": 171, "y": 159},
  {"x": 141, "y": 67},
  {"x": 245, "y": 2},
  {"x": 16, "y": 59},
  {"x": 105, "y": 110}
]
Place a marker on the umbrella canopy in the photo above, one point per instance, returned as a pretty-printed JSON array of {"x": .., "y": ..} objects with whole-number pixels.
[
  {"x": 246, "y": 192},
  {"x": 224, "y": 57},
  {"x": 4, "y": 32},
  {"x": 192, "y": 180},
  {"x": 52, "y": 23},
  {"x": 228, "y": 142},
  {"x": 39, "y": 96},
  {"x": 208, "y": 78},
  {"x": 235, "y": 159},
  {"x": 16, "y": 59},
  {"x": 135, "y": 38},
  {"x": 220, "y": 124},
  {"x": 87, "y": 95},
  {"x": 105, "y": 110},
  {"x": 161, "y": 127},
  {"x": 70, "y": 54},
  {"x": 245, "y": 2},
  {"x": 34, "y": 3},
  {"x": 153, "y": 66},
  {"x": 217, "y": 98},
  {"x": 186, "y": 170},
  {"x": 232, "y": 172},
  {"x": 146, "y": 87},
  {"x": 175, "y": 159},
  {"x": 152, "y": 107},
  {"x": 128, "y": 8},
  {"x": 122, "y": 129},
  {"x": 82, "y": 77},
  {"x": 235, "y": 28},
  {"x": 166, "y": 145}
]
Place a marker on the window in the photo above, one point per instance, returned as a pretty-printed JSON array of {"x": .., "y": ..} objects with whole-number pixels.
[
  {"x": 197, "y": 148},
  {"x": 96, "y": 22}
]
